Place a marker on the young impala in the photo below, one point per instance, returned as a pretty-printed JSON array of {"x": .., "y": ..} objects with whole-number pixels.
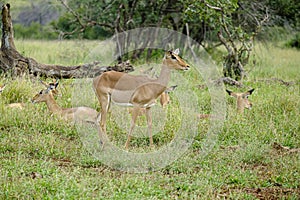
[
  {"x": 242, "y": 99},
  {"x": 165, "y": 97},
  {"x": 12, "y": 105},
  {"x": 242, "y": 103},
  {"x": 164, "y": 100},
  {"x": 83, "y": 114},
  {"x": 137, "y": 91}
]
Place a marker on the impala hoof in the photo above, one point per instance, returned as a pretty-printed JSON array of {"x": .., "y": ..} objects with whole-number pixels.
[{"x": 101, "y": 144}]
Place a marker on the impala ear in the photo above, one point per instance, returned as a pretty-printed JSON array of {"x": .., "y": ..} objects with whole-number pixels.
[
  {"x": 2, "y": 87},
  {"x": 232, "y": 94},
  {"x": 42, "y": 82},
  {"x": 170, "y": 89},
  {"x": 229, "y": 92},
  {"x": 250, "y": 91},
  {"x": 176, "y": 51},
  {"x": 56, "y": 83}
]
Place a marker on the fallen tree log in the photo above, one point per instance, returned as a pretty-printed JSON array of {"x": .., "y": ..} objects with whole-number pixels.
[{"x": 11, "y": 61}]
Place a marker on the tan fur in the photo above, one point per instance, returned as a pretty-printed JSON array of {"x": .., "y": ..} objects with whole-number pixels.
[
  {"x": 138, "y": 91},
  {"x": 12, "y": 105},
  {"x": 242, "y": 100},
  {"x": 164, "y": 100},
  {"x": 83, "y": 114},
  {"x": 16, "y": 105},
  {"x": 2, "y": 88}
]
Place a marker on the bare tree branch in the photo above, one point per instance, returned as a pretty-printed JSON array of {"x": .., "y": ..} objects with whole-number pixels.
[
  {"x": 213, "y": 7},
  {"x": 223, "y": 41}
]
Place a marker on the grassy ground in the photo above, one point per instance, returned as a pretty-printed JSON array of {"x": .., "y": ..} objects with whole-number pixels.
[{"x": 256, "y": 156}]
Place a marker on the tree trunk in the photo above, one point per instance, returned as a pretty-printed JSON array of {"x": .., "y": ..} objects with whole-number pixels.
[{"x": 12, "y": 61}]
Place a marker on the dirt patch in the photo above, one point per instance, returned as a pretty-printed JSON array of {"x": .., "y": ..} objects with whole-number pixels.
[
  {"x": 64, "y": 162},
  {"x": 270, "y": 193},
  {"x": 283, "y": 149}
]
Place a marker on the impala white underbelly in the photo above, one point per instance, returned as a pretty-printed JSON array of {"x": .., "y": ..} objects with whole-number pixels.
[
  {"x": 131, "y": 105},
  {"x": 123, "y": 104}
]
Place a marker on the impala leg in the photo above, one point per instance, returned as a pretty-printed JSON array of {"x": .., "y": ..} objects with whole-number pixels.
[
  {"x": 103, "y": 120},
  {"x": 135, "y": 113},
  {"x": 100, "y": 132},
  {"x": 149, "y": 122},
  {"x": 102, "y": 116}
]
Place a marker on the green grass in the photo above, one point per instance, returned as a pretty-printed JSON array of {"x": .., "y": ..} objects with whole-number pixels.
[{"x": 43, "y": 157}]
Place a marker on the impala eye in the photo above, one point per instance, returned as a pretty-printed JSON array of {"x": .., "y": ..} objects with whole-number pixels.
[{"x": 173, "y": 57}]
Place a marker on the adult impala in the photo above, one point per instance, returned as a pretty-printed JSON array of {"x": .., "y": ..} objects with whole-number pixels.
[{"x": 138, "y": 91}]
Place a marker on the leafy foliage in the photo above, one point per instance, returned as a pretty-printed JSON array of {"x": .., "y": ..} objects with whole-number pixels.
[
  {"x": 285, "y": 11},
  {"x": 294, "y": 42},
  {"x": 34, "y": 31},
  {"x": 108, "y": 16},
  {"x": 116, "y": 16},
  {"x": 234, "y": 26}
]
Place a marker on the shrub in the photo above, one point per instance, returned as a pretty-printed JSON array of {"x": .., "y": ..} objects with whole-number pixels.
[
  {"x": 34, "y": 31},
  {"x": 294, "y": 42}
]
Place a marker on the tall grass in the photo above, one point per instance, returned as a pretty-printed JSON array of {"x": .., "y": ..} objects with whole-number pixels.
[
  {"x": 42, "y": 156},
  {"x": 56, "y": 52}
]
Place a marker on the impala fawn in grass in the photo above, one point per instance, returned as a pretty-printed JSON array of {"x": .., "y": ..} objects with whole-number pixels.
[
  {"x": 242, "y": 100},
  {"x": 138, "y": 91},
  {"x": 82, "y": 114},
  {"x": 241, "y": 103},
  {"x": 12, "y": 105},
  {"x": 22, "y": 105}
]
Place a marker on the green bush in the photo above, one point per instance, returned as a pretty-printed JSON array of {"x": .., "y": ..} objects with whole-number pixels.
[
  {"x": 294, "y": 42},
  {"x": 92, "y": 33},
  {"x": 34, "y": 31}
]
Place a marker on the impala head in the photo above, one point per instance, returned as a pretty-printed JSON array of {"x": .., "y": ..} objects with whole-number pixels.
[
  {"x": 174, "y": 61},
  {"x": 51, "y": 86},
  {"x": 242, "y": 99},
  {"x": 2, "y": 88},
  {"x": 43, "y": 95}
]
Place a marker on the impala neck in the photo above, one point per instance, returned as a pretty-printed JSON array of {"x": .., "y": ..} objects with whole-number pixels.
[
  {"x": 164, "y": 76},
  {"x": 240, "y": 105},
  {"x": 52, "y": 105}
]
